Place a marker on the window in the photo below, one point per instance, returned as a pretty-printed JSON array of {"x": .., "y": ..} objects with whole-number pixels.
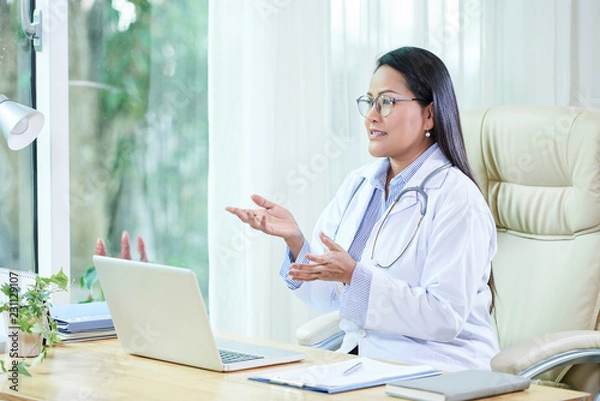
[
  {"x": 138, "y": 147},
  {"x": 17, "y": 239}
]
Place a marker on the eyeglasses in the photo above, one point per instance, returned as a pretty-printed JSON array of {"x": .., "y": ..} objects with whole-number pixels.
[{"x": 383, "y": 104}]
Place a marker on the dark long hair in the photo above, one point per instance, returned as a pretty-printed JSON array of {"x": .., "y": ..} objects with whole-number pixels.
[{"x": 428, "y": 78}]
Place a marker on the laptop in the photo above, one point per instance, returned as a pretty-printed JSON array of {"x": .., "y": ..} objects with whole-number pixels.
[{"x": 158, "y": 312}]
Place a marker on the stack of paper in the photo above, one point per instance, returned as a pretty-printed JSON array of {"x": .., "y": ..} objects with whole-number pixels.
[
  {"x": 78, "y": 322},
  {"x": 352, "y": 374}
]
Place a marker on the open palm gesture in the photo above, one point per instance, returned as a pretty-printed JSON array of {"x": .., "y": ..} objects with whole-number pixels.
[{"x": 271, "y": 219}]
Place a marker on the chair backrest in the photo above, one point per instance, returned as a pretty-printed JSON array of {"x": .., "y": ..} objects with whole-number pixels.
[{"x": 539, "y": 170}]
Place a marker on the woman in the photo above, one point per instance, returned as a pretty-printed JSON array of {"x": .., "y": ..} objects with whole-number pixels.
[{"x": 410, "y": 282}]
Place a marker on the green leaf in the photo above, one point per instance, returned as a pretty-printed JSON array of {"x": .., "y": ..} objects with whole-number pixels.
[
  {"x": 37, "y": 328},
  {"x": 24, "y": 325},
  {"x": 87, "y": 301},
  {"x": 6, "y": 290},
  {"x": 60, "y": 279},
  {"x": 52, "y": 338},
  {"x": 22, "y": 368},
  {"x": 90, "y": 277}
]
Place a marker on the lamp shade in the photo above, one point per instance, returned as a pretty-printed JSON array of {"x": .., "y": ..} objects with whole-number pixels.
[{"x": 19, "y": 124}]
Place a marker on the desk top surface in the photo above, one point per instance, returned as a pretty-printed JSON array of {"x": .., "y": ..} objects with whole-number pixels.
[{"x": 101, "y": 370}]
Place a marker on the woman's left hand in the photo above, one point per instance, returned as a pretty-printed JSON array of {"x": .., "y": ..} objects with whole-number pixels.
[{"x": 334, "y": 265}]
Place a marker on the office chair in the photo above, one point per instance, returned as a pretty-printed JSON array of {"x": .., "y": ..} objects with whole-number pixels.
[{"x": 538, "y": 168}]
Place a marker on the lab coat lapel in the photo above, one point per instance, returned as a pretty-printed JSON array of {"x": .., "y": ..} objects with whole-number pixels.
[
  {"x": 409, "y": 199},
  {"x": 355, "y": 210}
]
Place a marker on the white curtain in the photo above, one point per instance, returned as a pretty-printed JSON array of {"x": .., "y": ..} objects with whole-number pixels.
[
  {"x": 283, "y": 76},
  {"x": 269, "y": 126}
]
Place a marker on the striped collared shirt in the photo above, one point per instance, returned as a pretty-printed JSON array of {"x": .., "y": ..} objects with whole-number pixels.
[{"x": 361, "y": 283}]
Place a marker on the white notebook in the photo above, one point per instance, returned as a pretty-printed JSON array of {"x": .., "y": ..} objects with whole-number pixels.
[{"x": 458, "y": 386}]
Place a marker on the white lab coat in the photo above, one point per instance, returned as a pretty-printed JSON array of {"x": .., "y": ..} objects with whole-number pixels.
[{"x": 431, "y": 306}]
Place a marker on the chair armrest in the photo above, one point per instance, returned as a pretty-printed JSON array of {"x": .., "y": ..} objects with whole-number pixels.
[
  {"x": 534, "y": 356},
  {"x": 321, "y": 332}
]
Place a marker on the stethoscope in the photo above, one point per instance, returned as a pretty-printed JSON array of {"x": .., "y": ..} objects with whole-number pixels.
[{"x": 419, "y": 190}]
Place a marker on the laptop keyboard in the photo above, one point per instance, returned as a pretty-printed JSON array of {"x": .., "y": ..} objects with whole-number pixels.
[{"x": 233, "y": 356}]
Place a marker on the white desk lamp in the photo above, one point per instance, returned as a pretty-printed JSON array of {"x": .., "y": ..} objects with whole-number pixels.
[{"x": 20, "y": 125}]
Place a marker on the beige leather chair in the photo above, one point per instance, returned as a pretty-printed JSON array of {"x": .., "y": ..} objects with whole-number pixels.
[{"x": 539, "y": 170}]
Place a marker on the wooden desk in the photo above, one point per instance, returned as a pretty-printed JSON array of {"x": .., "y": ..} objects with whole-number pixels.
[{"x": 100, "y": 370}]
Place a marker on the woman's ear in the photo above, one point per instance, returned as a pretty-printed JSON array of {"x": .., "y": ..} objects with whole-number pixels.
[{"x": 428, "y": 116}]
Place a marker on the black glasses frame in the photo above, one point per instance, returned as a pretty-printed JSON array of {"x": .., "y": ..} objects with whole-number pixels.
[{"x": 379, "y": 104}]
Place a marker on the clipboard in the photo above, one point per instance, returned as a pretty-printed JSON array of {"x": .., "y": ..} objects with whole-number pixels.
[{"x": 353, "y": 374}]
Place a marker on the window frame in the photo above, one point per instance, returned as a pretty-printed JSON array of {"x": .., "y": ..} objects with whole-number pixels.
[{"x": 52, "y": 94}]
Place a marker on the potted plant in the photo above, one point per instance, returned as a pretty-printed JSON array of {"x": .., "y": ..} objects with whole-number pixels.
[{"x": 29, "y": 327}]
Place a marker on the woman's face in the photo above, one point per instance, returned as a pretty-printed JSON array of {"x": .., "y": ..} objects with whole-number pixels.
[{"x": 401, "y": 135}]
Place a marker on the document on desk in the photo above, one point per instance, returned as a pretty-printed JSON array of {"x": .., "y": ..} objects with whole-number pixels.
[
  {"x": 352, "y": 374},
  {"x": 75, "y": 318}
]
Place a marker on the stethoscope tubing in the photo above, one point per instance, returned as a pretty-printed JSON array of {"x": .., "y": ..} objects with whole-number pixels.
[
  {"x": 418, "y": 190},
  {"x": 423, "y": 210}
]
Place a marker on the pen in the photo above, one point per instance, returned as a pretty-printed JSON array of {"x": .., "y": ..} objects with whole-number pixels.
[{"x": 352, "y": 369}]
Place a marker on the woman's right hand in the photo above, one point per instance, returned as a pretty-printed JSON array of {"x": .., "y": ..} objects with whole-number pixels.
[{"x": 271, "y": 219}]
